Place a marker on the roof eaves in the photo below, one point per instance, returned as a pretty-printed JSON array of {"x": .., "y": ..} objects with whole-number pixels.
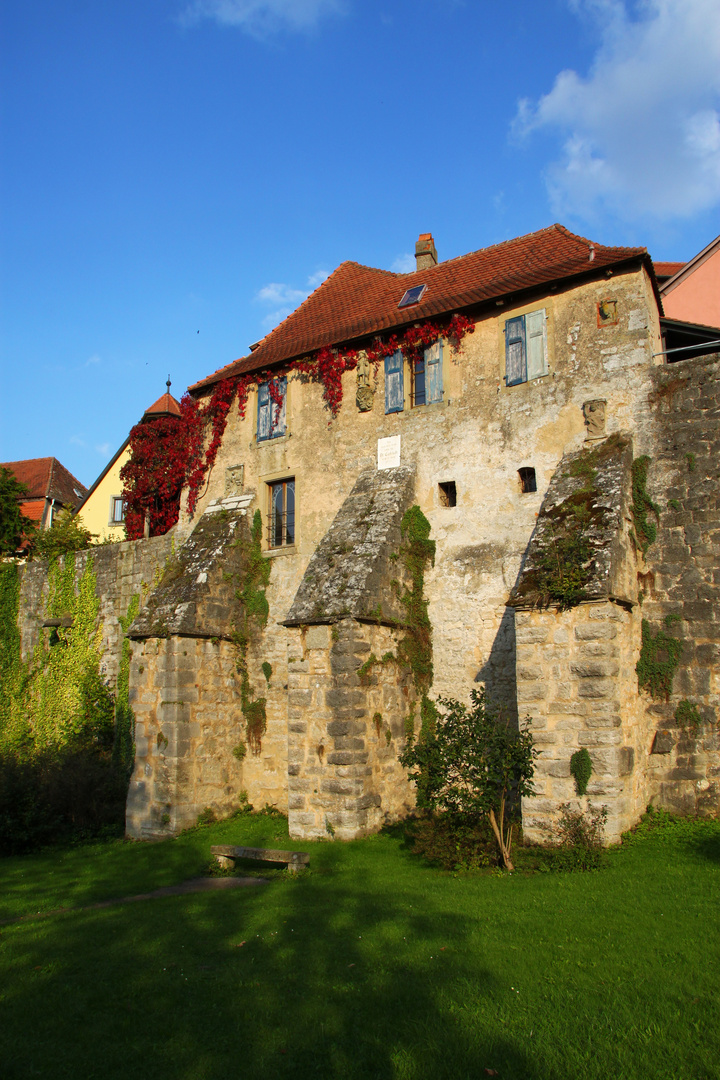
[{"x": 690, "y": 267}]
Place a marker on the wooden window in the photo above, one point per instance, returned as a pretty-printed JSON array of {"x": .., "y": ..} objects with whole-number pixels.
[
  {"x": 281, "y": 513},
  {"x": 117, "y": 510},
  {"x": 427, "y": 376},
  {"x": 526, "y": 347},
  {"x": 394, "y": 384},
  {"x": 271, "y": 416}
]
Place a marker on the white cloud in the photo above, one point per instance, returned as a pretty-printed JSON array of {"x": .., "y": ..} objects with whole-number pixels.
[
  {"x": 404, "y": 264},
  {"x": 285, "y": 298},
  {"x": 642, "y": 129},
  {"x": 263, "y": 17},
  {"x": 103, "y": 448},
  {"x": 94, "y": 359}
]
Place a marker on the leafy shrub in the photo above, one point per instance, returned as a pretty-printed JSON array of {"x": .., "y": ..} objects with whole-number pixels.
[
  {"x": 452, "y": 841},
  {"x": 66, "y": 534},
  {"x": 57, "y": 796},
  {"x": 580, "y": 839},
  {"x": 470, "y": 761}
]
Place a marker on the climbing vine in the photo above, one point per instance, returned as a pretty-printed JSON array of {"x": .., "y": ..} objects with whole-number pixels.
[
  {"x": 58, "y": 698},
  {"x": 252, "y": 616},
  {"x": 417, "y": 551},
  {"x": 645, "y": 530},
  {"x": 166, "y": 453},
  {"x": 581, "y": 769},
  {"x": 11, "y": 667},
  {"x": 659, "y": 659}
]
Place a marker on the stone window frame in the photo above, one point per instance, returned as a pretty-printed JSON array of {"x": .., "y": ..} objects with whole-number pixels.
[
  {"x": 266, "y": 480},
  {"x": 113, "y": 521}
]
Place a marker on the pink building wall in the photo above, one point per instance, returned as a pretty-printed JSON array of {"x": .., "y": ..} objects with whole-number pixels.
[{"x": 696, "y": 297}]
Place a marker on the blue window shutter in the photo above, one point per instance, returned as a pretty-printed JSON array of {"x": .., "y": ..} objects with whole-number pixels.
[
  {"x": 394, "y": 389},
  {"x": 536, "y": 344},
  {"x": 515, "y": 363},
  {"x": 433, "y": 372},
  {"x": 263, "y": 425}
]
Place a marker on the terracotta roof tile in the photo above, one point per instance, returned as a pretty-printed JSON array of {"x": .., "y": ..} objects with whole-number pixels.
[
  {"x": 356, "y": 301},
  {"x": 667, "y": 269},
  {"x": 47, "y": 478},
  {"x": 33, "y": 509},
  {"x": 166, "y": 404}
]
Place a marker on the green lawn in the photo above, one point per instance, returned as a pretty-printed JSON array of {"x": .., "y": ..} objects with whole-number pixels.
[{"x": 370, "y": 965}]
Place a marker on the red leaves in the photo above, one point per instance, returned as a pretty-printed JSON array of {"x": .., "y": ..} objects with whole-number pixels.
[{"x": 167, "y": 453}]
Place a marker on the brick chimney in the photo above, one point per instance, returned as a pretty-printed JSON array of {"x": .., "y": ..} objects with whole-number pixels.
[{"x": 425, "y": 253}]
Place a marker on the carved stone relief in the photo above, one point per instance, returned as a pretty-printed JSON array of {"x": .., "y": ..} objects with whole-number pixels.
[
  {"x": 594, "y": 413},
  {"x": 364, "y": 393}
]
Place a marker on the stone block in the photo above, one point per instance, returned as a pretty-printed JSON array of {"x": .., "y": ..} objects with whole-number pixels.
[
  {"x": 526, "y": 635},
  {"x": 347, "y": 757},
  {"x": 342, "y": 787},
  {"x": 318, "y": 637},
  {"x": 348, "y": 743},
  {"x": 529, "y": 672},
  {"x": 343, "y": 697},
  {"x": 594, "y": 669},
  {"x": 532, "y": 692},
  {"x": 596, "y": 688},
  {"x": 299, "y": 699},
  {"x": 601, "y": 631}
]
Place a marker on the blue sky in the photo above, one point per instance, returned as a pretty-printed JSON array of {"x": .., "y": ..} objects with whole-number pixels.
[{"x": 175, "y": 175}]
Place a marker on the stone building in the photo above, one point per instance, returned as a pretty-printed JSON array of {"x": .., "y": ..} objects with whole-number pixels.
[{"x": 513, "y": 395}]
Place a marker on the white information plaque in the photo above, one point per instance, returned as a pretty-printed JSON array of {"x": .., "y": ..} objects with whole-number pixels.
[{"x": 389, "y": 452}]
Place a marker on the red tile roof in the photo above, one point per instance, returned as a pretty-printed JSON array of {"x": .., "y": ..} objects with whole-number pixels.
[
  {"x": 47, "y": 478},
  {"x": 33, "y": 509},
  {"x": 356, "y": 301},
  {"x": 166, "y": 404},
  {"x": 667, "y": 269}
]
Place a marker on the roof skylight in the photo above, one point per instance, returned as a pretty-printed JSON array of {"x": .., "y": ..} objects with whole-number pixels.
[{"x": 412, "y": 296}]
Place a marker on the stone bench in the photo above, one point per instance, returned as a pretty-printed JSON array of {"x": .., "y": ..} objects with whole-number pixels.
[{"x": 227, "y": 853}]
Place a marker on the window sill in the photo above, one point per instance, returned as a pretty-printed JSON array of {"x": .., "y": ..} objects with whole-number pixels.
[
  {"x": 272, "y": 553},
  {"x": 273, "y": 441}
]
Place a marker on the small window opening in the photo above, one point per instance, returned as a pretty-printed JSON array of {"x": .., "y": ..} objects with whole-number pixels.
[
  {"x": 448, "y": 493},
  {"x": 528, "y": 482}
]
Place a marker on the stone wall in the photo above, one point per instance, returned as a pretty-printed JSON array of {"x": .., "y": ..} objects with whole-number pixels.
[
  {"x": 478, "y": 437},
  {"x": 185, "y": 693},
  {"x": 679, "y": 428},
  {"x": 576, "y": 681},
  {"x": 345, "y": 732},
  {"x": 132, "y": 568}
]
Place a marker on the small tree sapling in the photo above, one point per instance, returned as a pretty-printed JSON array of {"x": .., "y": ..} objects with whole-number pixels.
[{"x": 471, "y": 761}]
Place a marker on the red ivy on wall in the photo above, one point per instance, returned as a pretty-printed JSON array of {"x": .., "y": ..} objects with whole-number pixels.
[{"x": 166, "y": 454}]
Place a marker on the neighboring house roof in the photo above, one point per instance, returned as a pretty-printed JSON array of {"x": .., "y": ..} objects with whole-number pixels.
[
  {"x": 665, "y": 270},
  {"x": 46, "y": 478},
  {"x": 33, "y": 510},
  {"x": 166, "y": 405},
  {"x": 356, "y": 301},
  {"x": 684, "y": 270}
]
